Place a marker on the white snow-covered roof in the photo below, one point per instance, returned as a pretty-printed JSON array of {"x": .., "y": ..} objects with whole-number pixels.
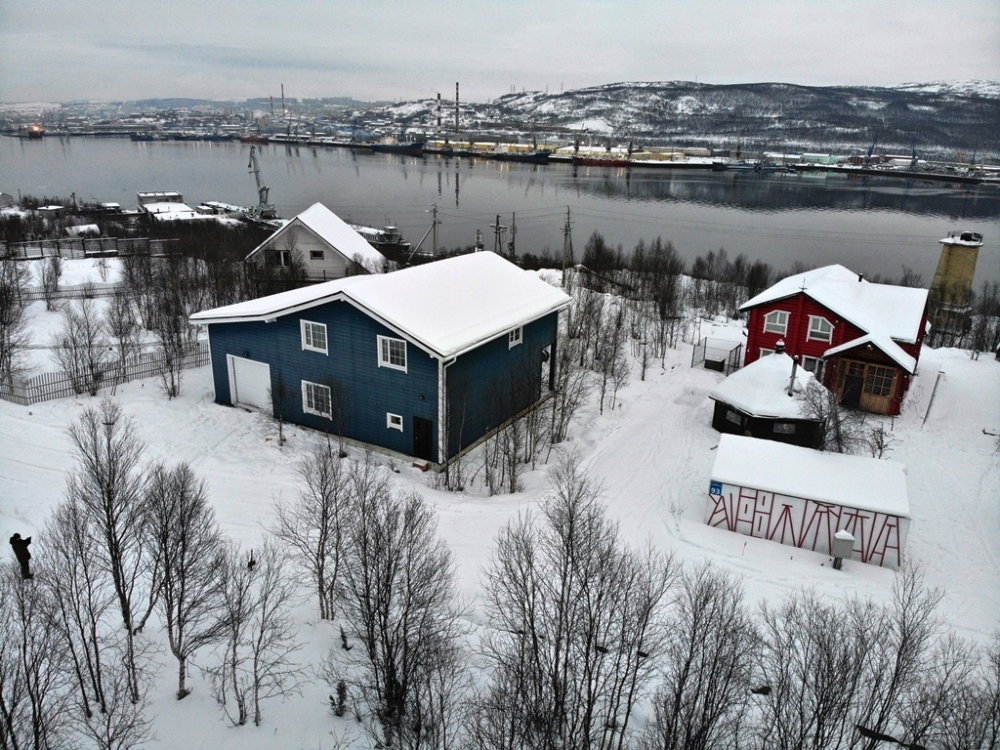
[
  {"x": 895, "y": 311},
  {"x": 761, "y": 388},
  {"x": 171, "y": 211},
  {"x": 334, "y": 231},
  {"x": 882, "y": 342},
  {"x": 853, "y": 481},
  {"x": 447, "y": 306}
]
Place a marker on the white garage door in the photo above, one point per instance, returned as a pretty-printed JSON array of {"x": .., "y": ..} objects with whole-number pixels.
[{"x": 250, "y": 383}]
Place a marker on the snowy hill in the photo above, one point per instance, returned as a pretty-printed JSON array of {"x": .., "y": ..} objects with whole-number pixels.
[{"x": 652, "y": 454}]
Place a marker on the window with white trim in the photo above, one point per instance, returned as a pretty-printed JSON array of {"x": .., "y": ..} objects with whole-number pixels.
[
  {"x": 776, "y": 321},
  {"x": 315, "y": 255},
  {"x": 392, "y": 353},
  {"x": 766, "y": 352},
  {"x": 820, "y": 329},
  {"x": 394, "y": 421},
  {"x": 813, "y": 365},
  {"x": 515, "y": 337},
  {"x": 316, "y": 399},
  {"x": 313, "y": 336}
]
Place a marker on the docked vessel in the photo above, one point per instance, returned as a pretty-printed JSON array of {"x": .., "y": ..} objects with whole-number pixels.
[{"x": 386, "y": 240}]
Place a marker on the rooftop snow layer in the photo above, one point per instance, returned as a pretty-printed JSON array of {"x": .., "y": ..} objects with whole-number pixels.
[
  {"x": 895, "y": 311},
  {"x": 851, "y": 481},
  {"x": 761, "y": 388},
  {"x": 334, "y": 231},
  {"x": 448, "y": 305}
]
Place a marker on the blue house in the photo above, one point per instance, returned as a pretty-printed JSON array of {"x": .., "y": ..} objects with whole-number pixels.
[{"x": 424, "y": 361}]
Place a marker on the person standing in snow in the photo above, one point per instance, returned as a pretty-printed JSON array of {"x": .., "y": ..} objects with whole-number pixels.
[{"x": 20, "y": 547}]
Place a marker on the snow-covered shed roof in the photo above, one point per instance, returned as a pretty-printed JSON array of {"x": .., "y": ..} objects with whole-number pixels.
[
  {"x": 448, "y": 306},
  {"x": 895, "y": 311},
  {"x": 334, "y": 231},
  {"x": 761, "y": 388},
  {"x": 853, "y": 481}
]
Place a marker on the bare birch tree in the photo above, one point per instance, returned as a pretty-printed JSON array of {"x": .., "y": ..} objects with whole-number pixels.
[
  {"x": 83, "y": 615},
  {"x": 185, "y": 540},
  {"x": 82, "y": 347},
  {"x": 33, "y": 668},
  {"x": 398, "y": 595},
  {"x": 109, "y": 486},
  {"x": 314, "y": 525},
  {"x": 256, "y": 658},
  {"x": 707, "y": 665},
  {"x": 576, "y": 626},
  {"x": 14, "y": 335}
]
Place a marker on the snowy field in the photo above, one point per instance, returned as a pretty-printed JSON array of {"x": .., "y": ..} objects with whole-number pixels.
[{"x": 653, "y": 454}]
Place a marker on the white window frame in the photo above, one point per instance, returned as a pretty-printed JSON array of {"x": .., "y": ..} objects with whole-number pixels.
[
  {"x": 385, "y": 353},
  {"x": 309, "y": 391},
  {"x": 308, "y": 336},
  {"x": 766, "y": 352},
  {"x": 814, "y": 335},
  {"x": 817, "y": 370},
  {"x": 780, "y": 328},
  {"x": 515, "y": 337},
  {"x": 316, "y": 255},
  {"x": 394, "y": 421}
]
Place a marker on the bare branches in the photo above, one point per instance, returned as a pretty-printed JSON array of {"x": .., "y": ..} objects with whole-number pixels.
[
  {"x": 398, "y": 595},
  {"x": 184, "y": 538},
  {"x": 108, "y": 487},
  {"x": 255, "y": 660},
  {"x": 575, "y": 617},
  {"x": 313, "y": 526}
]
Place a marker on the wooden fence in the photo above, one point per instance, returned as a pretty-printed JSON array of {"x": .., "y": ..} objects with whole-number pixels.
[
  {"x": 52, "y": 385},
  {"x": 84, "y": 247}
]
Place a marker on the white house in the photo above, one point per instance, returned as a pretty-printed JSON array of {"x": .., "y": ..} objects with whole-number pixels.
[
  {"x": 802, "y": 498},
  {"x": 325, "y": 246}
]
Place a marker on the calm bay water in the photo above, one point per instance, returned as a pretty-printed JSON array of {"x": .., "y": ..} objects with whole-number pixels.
[{"x": 871, "y": 225}]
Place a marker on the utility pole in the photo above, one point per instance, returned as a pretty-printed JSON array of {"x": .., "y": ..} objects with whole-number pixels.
[
  {"x": 567, "y": 247},
  {"x": 499, "y": 230},
  {"x": 513, "y": 235},
  {"x": 456, "y": 108},
  {"x": 434, "y": 228}
]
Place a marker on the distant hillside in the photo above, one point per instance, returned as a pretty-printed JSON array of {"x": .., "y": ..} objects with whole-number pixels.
[{"x": 942, "y": 118}]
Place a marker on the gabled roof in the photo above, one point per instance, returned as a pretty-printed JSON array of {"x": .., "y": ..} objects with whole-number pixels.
[
  {"x": 895, "y": 311},
  {"x": 334, "y": 231},
  {"x": 851, "y": 481},
  {"x": 882, "y": 342},
  {"x": 447, "y": 307},
  {"x": 761, "y": 388}
]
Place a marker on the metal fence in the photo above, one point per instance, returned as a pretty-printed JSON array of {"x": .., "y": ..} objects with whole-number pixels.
[
  {"x": 52, "y": 385},
  {"x": 84, "y": 247}
]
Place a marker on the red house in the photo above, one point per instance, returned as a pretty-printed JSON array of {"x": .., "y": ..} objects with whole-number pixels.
[{"x": 861, "y": 340}]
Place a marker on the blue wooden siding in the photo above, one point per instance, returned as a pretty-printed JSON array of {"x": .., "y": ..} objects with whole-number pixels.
[
  {"x": 369, "y": 391},
  {"x": 492, "y": 383}
]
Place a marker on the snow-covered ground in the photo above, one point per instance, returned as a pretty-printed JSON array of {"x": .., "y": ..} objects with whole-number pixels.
[{"x": 653, "y": 454}]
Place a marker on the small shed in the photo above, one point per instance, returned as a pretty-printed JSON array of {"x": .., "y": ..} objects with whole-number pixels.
[
  {"x": 802, "y": 498},
  {"x": 765, "y": 400},
  {"x": 719, "y": 354}
]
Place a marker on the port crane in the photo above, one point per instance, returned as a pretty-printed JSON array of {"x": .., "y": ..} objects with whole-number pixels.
[{"x": 263, "y": 209}]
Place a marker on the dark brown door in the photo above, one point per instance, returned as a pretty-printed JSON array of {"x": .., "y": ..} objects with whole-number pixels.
[{"x": 423, "y": 438}]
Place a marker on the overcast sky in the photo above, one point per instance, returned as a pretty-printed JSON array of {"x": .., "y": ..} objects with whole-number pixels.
[{"x": 58, "y": 50}]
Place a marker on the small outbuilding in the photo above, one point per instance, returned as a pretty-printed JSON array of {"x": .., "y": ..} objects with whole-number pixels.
[
  {"x": 320, "y": 246},
  {"x": 802, "y": 498},
  {"x": 765, "y": 400}
]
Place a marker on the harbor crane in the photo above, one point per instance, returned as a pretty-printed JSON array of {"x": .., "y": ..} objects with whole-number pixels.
[{"x": 263, "y": 209}]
